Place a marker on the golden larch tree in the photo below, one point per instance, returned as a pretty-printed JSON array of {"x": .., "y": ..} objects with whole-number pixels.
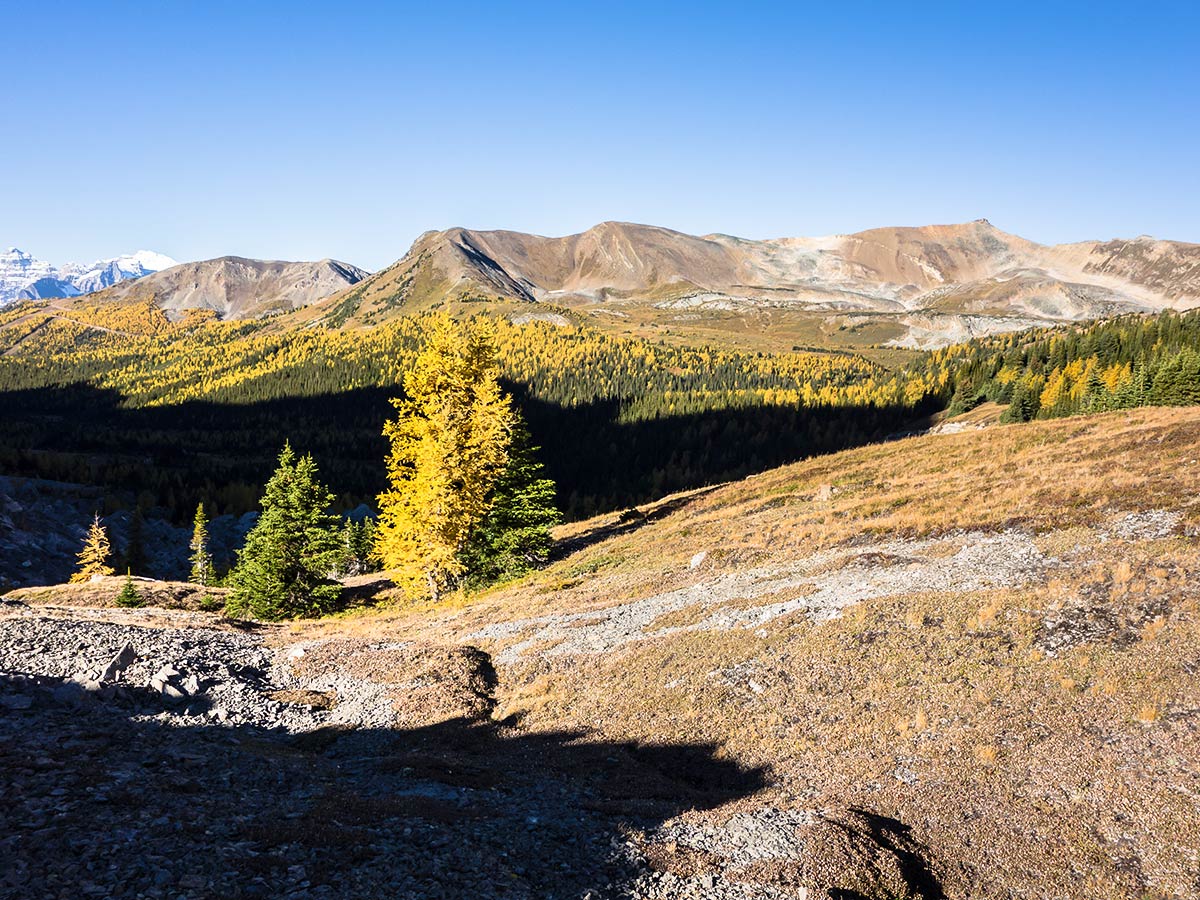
[
  {"x": 93, "y": 558},
  {"x": 449, "y": 444}
]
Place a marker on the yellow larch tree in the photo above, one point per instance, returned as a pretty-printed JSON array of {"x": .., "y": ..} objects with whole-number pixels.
[
  {"x": 93, "y": 558},
  {"x": 449, "y": 444}
]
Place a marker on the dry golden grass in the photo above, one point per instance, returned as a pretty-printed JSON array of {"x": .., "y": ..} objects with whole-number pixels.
[
  {"x": 1149, "y": 713},
  {"x": 313, "y": 699},
  {"x": 102, "y": 592},
  {"x": 987, "y": 754},
  {"x": 1059, "y": 479}
]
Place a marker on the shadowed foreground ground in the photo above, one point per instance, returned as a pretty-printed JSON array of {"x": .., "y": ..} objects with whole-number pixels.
[{"x": 100, "y": 803}]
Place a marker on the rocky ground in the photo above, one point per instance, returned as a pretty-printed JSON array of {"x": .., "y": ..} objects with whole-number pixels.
[
  {"x": 818, "y": 587},
  {"x": 192, "y": 760}
]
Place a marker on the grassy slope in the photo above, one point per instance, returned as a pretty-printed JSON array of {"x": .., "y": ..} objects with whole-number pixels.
[{"x": 1038, "y": 735}]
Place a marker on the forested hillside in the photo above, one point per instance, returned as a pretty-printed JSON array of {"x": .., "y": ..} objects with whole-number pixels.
[
  {"x": 196, "y": 409},
  {"x": 174, "y": 413},
  {"x": 1117, "y": 364}
]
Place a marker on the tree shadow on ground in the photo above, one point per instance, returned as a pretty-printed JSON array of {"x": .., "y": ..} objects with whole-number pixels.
[{"x": 103, "y": 798}]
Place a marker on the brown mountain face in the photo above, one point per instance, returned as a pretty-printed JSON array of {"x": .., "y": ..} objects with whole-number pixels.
[
  {"x": 913, "y": 287},
  {"x": 237, "y": 288}
]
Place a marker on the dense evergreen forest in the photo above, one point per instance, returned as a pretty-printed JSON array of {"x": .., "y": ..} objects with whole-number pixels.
[
  {"x": 178, "y": 413},
  {"x": 173, "y": 413},
  {"x": 1116, "y": 364}
]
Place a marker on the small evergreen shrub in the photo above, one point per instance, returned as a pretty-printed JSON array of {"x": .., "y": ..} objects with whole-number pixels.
[
  {"x": 129, "y": 597},
  {"x": 209, "y": 603}
]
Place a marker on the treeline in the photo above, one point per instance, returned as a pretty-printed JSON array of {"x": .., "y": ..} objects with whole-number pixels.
[
  {"x": 200, "y": 358},
  {"x": 191, "y": 411},
  {"x": 1120, "y": 363},
  {"x": 177, "y": 413}
]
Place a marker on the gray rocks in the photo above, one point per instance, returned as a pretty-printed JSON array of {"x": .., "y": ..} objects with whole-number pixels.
[
  {"x": 125, "y": 656},
  {"x": 826, "y": 582},
  {"x": 171, "y": 743},
  {"x": 190, "y": 671},
  {"x": 167, "y": 682}
]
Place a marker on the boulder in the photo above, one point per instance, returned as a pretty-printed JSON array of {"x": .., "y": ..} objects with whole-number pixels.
[{"x": 125, "y": 657}]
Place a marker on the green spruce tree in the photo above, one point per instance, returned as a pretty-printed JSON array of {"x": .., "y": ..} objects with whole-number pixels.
[
  {"x": 1096, "y": 397},
  {"x": 1023, "y": 406},
  {"x": 514, "y": 535},
  {"x": 285, "y": 568},
  {"x": 129, "y": 596},
  {"x": 365, "y": 546}
]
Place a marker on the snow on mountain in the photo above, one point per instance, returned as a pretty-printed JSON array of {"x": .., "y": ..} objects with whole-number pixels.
[
  {"x": 23, "y": 277},
  {"x": 107, "y": 272}
]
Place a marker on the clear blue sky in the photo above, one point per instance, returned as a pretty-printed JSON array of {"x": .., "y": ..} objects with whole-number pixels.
[{"x": 346, "y": 129}]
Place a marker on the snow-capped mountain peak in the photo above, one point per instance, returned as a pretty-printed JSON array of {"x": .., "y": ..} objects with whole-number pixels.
[
  {"x": 151, "y": 261},
  {"x": 24, "y": 277}
]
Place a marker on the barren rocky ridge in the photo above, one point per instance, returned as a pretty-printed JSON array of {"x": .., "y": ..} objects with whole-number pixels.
[
  {"x": 908, "y": 286},
  {"x": 934, "y": 283}
]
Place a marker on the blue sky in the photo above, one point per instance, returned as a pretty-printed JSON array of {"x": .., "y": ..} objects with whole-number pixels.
[{"x": 301, "y": 131}]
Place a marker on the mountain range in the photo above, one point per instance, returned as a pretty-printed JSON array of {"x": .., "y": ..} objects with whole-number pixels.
[
  {"x": 237, "y": 288},
  {"x": 915, "y": 287},
  {"x": 24, "y": 277}
]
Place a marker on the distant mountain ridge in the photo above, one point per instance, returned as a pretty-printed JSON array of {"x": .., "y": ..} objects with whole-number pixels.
[
  {"x": 24, "y": 277},
  {"x": 908, "y": 286},
  {"x": 237, "y": 288}
]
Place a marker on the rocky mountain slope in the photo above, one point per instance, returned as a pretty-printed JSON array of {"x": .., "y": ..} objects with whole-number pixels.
[
  {"x": 960, "y": 665},
  {"x": 22, "y": 277},
  {"x": 42, "y": 525},
  {"x": 907, "y": 286},
  {"x": 237, "y": 288}
]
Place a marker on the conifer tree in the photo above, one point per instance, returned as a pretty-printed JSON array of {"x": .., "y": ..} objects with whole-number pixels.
[
  {"x": 202, "y": 563},
  {"x": 1095, "y": 394},
  {"x": 349, "y": 564},
  {"x": 129, "y": 596},
  {"x": 514, "y": 535},
  {"x": 366, "y": 546},
  {"x": 295, "y": 546},
  {"x": 357, "y": 547},
  {"x": 93, "y": 558},
  {"x": 448, "y": 447}
]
